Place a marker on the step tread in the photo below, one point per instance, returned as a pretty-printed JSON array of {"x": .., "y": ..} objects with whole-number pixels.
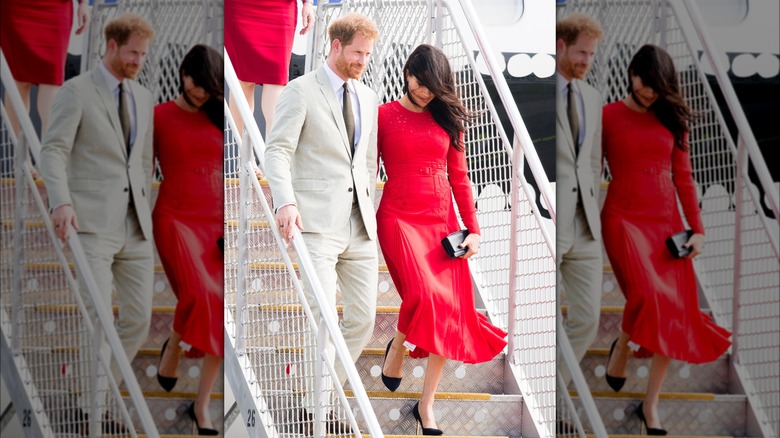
[
  {"x": 474, "y": 396},
  {"x": 56, "y": 266},
  {"x": 281, "y": 265},
  {"x": 174, "y": 394},
  {"x": 115, "y": 308},
  {"x": 697, "y": 396}
]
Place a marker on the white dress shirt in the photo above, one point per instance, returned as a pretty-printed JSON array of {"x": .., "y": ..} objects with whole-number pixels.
[
  {"x": 338, "y": 87},
  {"x": 563, "y": 92},
  {"x": 113, "y": 87}
]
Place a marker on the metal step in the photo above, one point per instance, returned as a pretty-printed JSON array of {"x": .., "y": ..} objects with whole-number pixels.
[
  {"x": 712, "y": 377},
  {"x": 271, "y": 284},
  {"x": 697, "y": 414},
  {"x": 456, "y": 414},
  {"x": 169, "y": 411}
]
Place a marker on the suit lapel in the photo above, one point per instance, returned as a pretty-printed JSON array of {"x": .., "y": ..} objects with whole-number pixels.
[
  {"x": 140, "y": 122},
  {"x": 335, "y": 108},
  {"x": 109, "y": 106},
  {"x": 365, "y": 122},
  {"x": 587, "y": 139}
]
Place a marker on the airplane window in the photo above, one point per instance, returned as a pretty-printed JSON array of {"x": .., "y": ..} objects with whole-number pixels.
[
  {"x": 500, "y": 12},
  {"x": 723, "y": 12}
]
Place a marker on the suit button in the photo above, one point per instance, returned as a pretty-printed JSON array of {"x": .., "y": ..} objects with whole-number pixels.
[
  {"x": 367, "y": 194},
  {"x": 574, "y": 189},
  {"x": 126, "y": 190},
  {"x": 353, "y": 167},
  {"x": 349, "y": 189}
]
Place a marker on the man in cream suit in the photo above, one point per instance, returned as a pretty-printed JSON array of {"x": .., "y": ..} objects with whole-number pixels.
[
  {"x": 96, "y": 162},
  {"x": 578, "y": 178},
  {"x": 321, "y": 164}
]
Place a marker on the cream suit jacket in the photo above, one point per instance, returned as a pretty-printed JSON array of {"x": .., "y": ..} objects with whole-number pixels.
[
  {"x": 309, "y": 162},
  {"x": 84, "y": 160},
  {"x": 579, "y": 173}
]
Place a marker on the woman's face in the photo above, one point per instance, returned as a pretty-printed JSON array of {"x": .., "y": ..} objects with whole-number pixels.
[
  {"x": 420, "y": 93},
  {"x": 644, "y": 94},
  {"x": 194, "y": 94}
]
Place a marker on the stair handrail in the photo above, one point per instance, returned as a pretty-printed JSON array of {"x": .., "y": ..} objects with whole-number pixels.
[
  {"x": 328, "y": 324},
  {"x": 105, "y": 319},
  {"x": 527, "y": 151},
  {"x": 521, "y": 132},
  {"x": 730, "y": 96},
  {"x": 746, "y": 148}
]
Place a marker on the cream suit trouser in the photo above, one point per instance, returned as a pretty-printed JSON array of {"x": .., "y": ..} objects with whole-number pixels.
[
  {"x": 580, "y": 272},
  {"x": 121, "y": 261},
  {"x": 347, "y": 259}
]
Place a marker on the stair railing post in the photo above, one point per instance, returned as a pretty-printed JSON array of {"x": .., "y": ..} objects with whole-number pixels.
[
  {"x": 742, "y": 161},
  {"x": 94, "y": 378},
  {"x": 20, "y": 155},
  {"x": 319, "y": 378},
  {"x": 517, "y": 167},
  {"x": 244, "y": 199}
]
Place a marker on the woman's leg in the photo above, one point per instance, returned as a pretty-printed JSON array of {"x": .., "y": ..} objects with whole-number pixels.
[
  {"x": 394, "y": 363},
  {"x": 46, "y": 94},
  {"x": 208, "y": 375},
  {"x": 249, "y": 93},
  {"x": 169, "y": 363},
  {"x": 658, "y": 368},
  {"x": 24, "y": 90},
  {"x": 433, "y": 373},
  {"x": 619, "y": 361},
  {"x": 269, "y": 99}
]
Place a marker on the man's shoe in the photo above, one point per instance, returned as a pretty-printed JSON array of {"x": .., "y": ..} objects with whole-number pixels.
[
  {"x": 332, "y": 424},
  {"x": 565, "y": 428},
  {"x": 107, "y": 425}
]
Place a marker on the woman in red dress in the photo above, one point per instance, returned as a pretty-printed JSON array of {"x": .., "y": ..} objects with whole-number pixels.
[
  {"x": 420, "y": 140},
  {"x": 645, "y": 141},
  {"x": 34, "y": 37},
  {"x": 259, "y": 36},
  {"x": 188, "y": 221}
]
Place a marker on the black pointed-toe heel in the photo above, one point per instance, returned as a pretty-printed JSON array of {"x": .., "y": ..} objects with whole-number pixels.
[
  {"x": 201, "y": 430},
  {"x": 391, "y": 383},
  {"x": 425, "y": 430},
  {"x": 650, "y": 430},
  {"x": 616, "y": 383},
  {"x": 167, "y": 383}
]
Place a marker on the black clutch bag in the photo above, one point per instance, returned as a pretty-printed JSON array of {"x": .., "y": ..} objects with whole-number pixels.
[
  {"x": 452, "y": 241},
  {"x": 675, "y": 243}
]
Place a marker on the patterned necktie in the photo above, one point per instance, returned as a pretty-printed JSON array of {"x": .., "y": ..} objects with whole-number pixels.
[
  {"x": 349, "y": 118},
  {"x": 574, "y": 122},
  {"x": 124, "y": 117}
]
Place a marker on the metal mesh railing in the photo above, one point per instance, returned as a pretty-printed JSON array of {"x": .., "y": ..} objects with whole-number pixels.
[
  {"x": 627, "y": 26},
  {"x": 489, "y": 155},
  {"x": 48, "y": 337},
  {"x": 277, "y": 349}
]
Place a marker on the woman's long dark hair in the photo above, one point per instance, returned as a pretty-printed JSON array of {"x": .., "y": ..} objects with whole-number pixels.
[
  {"x": 655, "y": 67},
  {"x": 204, "y": 65},
  {"x": 431, "y": 68}
]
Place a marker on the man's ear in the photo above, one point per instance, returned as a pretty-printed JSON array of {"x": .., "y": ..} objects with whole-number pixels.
[{"x": 560, "y": 45}]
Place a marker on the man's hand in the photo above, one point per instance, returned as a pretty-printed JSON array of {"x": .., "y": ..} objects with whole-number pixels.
[
  {"x": 61, "y": 218},
  {"x": 307, "y": 17},
  {"x": 83, "y": 17},
  {"x": 472, "y": 242},
  {"x": 286, "y": 217}
]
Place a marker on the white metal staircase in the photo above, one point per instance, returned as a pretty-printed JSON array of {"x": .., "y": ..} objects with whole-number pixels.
[
  {"x": 737, "y": 395},
  {"x": 42, "y": 320},
  {"x": 266, "y": 317}
]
